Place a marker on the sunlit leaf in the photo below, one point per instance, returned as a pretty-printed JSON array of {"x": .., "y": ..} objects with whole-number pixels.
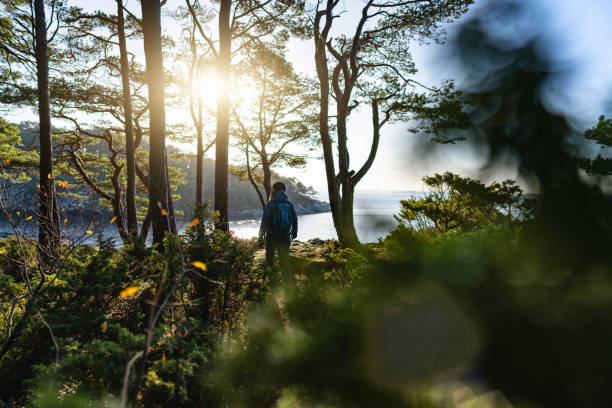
[
  {"x": 164, "y": 212},
  {"x": 164, "y": 357},
  {"x": 49, "y": 176},
  {"x": 104, "y": 326},
  {"x": 113, "y": 219},
  {"x": 199, "y": 265},
  {"x": 7, "y": 161},
  {"x": 18, "y": 212},
  {"x": 29, "y": 218},
  {"x": 129, "y": 291},
  {"x": 65, "y": 242},
  {"x": 65, "y": 221},
  {"x": 89, "y": 232},
  {"x": 194, "y": 222}
]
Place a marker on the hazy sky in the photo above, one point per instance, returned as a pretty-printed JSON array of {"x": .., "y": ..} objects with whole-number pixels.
[{"x": 577, "y": 32}]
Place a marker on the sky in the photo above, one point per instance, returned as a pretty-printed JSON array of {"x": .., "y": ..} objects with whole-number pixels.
[{"x": 576, "y": 32}]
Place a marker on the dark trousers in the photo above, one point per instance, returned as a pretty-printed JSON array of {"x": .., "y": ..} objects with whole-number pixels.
[{"x": 282, "y": 245}]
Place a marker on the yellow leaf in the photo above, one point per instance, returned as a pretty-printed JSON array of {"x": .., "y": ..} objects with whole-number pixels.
[
  {"x": 169, "y": 334},
  {"x": 18, "y": 213},
  {"x": 65, "y": 242},
  {"x": 139, "y": 396},
  {"x": 164, "y": 357},
  {"x": 113, "y": 219},
  {"x": 164, "y": 212},
  {"x": 38, "y": 185},
  {"x": 8, "y": 161},
  {"x": 29, "y": 218},
  {"x": 104, "y": 326},
  {"x": 199, "y": 265},
  {"x": 65, "y": 221},
  {"x": 132, "y": 245},
  {"x": 129, "y": 291},
  {"x": 194, "y": 222},
  {"x": 89, "y": 232},
  {"x": 49, "y": 176}
]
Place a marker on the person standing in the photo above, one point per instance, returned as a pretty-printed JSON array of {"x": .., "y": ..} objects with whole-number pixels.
[{"x": 278, "y": 227}]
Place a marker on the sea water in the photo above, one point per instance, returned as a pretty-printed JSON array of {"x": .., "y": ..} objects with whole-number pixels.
[{"x": 373, "y": 213}]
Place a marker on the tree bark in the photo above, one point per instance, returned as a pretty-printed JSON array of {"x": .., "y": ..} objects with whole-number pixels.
[
  {"x": 196, "y": 109},
  {"x": 199, "y": 156},
  {"x": 130, "y": 192},
  {"x": 320, "y": 39},
  {"x": 48, "y": 222},
  {"x": 144, "y": 229},
  {"x": 158, "y": 183},
  {"x": 252, "y": 180},
  {"x": 348, "y": 235},
  {"x": 223, "y": 110},
  {"x": 267, "y": 173},
  {"x": 171, "y": 217}
]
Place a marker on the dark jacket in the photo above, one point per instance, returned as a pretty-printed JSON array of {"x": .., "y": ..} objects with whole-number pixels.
[{"x": 266, "y": 220}]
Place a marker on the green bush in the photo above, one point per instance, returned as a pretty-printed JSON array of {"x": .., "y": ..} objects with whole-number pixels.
[{"x": 343, "y": 265}]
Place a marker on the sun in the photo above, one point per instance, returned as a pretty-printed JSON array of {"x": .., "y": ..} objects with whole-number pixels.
[
  {"x": 208, "y": 87},
  {"x": 242, "y": 94}
]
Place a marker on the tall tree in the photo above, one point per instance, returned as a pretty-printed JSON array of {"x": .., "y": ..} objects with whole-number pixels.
[
  {"x": 158, "y": 184},
  {"x": 48, "y": 224},
  {"x": 192, "y": 63},
  {"x": 279, "y": 110},
  {"x": 245, "y": 22},
  {"x": 130, "y": 192},
  {"x": 196, "y": 109},
  {"x": 373, "y": 65},
  {"x": 100, "y": 69},
  {"x": 224, "y": 62},
  {"x": 25, "y": 58}
]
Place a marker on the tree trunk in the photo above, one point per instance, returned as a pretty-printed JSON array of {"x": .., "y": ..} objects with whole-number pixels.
[
  {"x": 221, "y": 153},
  {"x": 323, "y": 75},
  {"x": 199, "y": 156},
  {"x": 130, "y": 192},
  {"x": 262, "y": 201},
  {"x": 116, "y": 200},
  {"x": 48, "y": 222},
  {"x": 267, "y": 174},
  {"x": 347, "y": 235},
  {"x": 171, "y": 216},
  {"x": 158, "y": 183},
  {"x": 144, "y": 229}
]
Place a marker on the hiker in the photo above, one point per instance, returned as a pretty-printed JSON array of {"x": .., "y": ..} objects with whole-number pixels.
[{"x": 279, "y": 226}]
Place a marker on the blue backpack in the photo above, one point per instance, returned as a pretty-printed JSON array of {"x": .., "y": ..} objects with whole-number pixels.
[{"x": 282, "y": 219}]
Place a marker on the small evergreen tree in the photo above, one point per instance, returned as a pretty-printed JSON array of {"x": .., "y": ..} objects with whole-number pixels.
[{"x": 454, "y": 202}]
